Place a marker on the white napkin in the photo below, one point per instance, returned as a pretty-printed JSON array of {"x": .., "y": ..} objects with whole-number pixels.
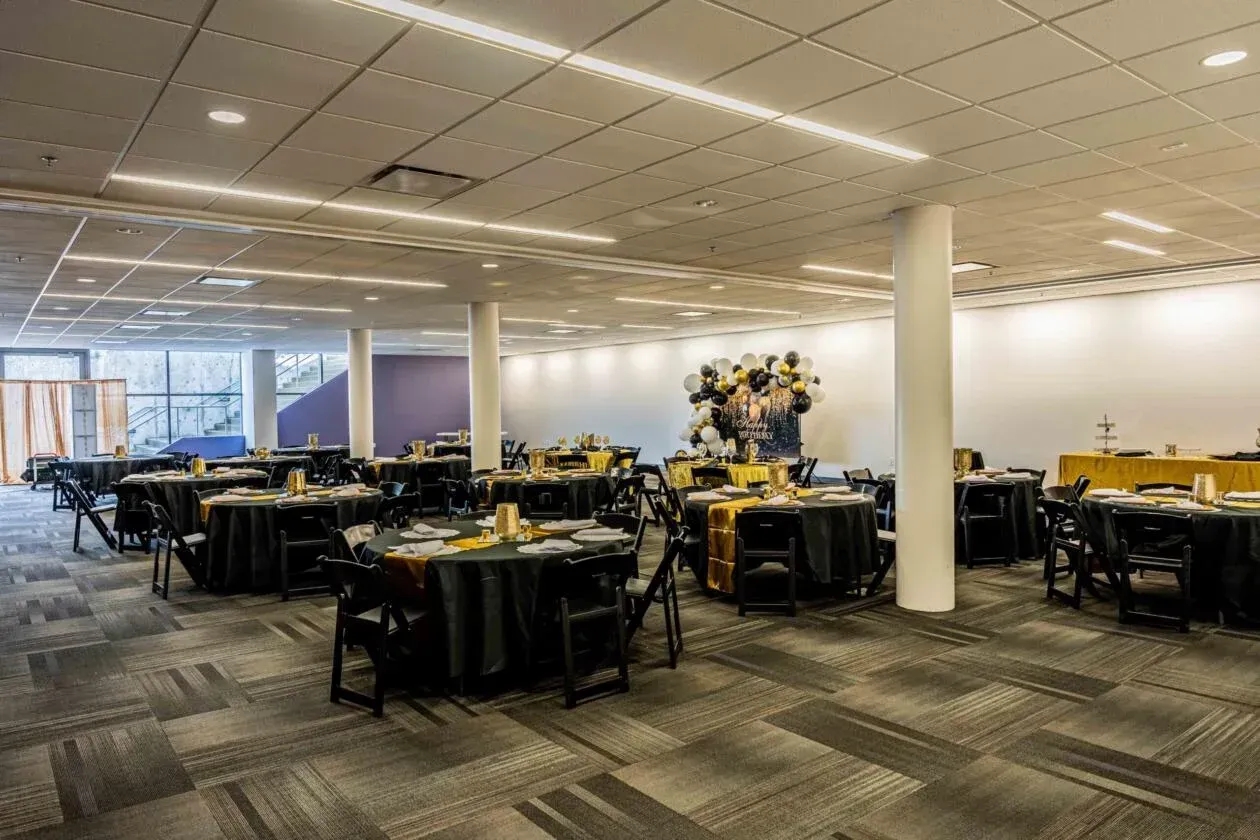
[
  {"x": 241, "y": 491},
  {"x": 221, "y": 470},
  {"x": 488, "y": 522},
  {"x": 1014, "y": 475},
  {"x": 346, "y": 492},
  {"x": 1163, "y": 491},
  {"x": 223, "y": 497},
  {"x": 840, "y": 497},
  {"x": 1108, "y": 491},
  {"x": 548, "y": 547},
  {"x": 355, "y": 486},
  {"x": 1189, "y": 505},
  {"x": 731, "y": 488},
  {"x": 1243, "y": 496},
  {"x": 708, "y": 496},
  {"x": 780, "y": 501},
  {"x": 428, "y": 532},
  {"x": 430, "y": 548},
  {"x": 1129, "y": 500},
  {"x": 569, "y": 524},
  {"x": 977, "y": 479},
  {"x": 601, "y": 535}
]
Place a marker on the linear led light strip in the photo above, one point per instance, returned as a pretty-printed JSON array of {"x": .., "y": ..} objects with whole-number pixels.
[
  {"x": 848, "y": 272},
  {"x": 260, "y": 272},
  {"x": 706, "y": 306},
  {"x": 553, "y": 323},
  {"x": 501, "y": 337},
  {"x": 179, "y": 323},
  {"x": 198, "y": 303}
]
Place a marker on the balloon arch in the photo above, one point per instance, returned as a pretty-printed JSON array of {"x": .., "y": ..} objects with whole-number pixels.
[{"x": 723, "y": 393}]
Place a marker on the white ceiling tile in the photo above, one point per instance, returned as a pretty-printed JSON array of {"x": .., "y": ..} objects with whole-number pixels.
[
  {"x": 1201, "y": 138},
  {"x": 577, "y": 93},
  {"x": 704, "y": 167},
  {"x": 1177, "y": 68},
  {"x": 904, "y": 34},
  {"x": 181, "y": 106},
  {"x": 1012, "y": 151},
  {"x": 769, "y": 213},
  {"x": 501, "y": 196},
  {"x": 447, "y": 59},
  {"x": 259, "y": 71},
  {"x": 775, "y": 181},
  {"x": 1125, "y": 28},
  {"x": 1069, "y": 168},
  {"x": 393, "y": 100},
  {"x": 1121, "y": 181},
  {"x": 688, "y": 41},
  {"x": 331, "y": 30},
  {"x": 82, "y": 33},
  {"x": 879, "y": 209},
  {"x": 882, "y": 107},
  {"x": 688, "y": 122},
  {"x": 638, "y": 189},
  {"x": 912, "y": 177},
  {"x": 565, "y": 23},
  {"x": 181, "y": 11},
  {"x": 796, "y": 77},
  {"x": 620, "y": 149},
  {"x": 1015, "y": 202},
  {"x": 1248, "y": 126},
  {"x": 522, "y": 128},
  {"x": 54, "y": 125},
  {"x": 835, "y": 196},
  {"x": 71, "y": 160},
  {"x": 583, "y": 208},
  {"x": 556, "y": 174},
  {"x": 288, "y": 162},
  {"x": 40, "y": 81},
  {"x": 1075, "y": 97},
  {"x": 1155, "y": 117},
  {"x": 1227, "y": 99},
  {"x": 803, "y": 16},
  {"x": 460, "y": 157},
  {"x": 1210, "y": 164},
  {"x": 1152, "y": 196},
  {"x": 773, "y": 143},
  {"x": 355, "y": 138},
  {"x": 843, "y": 162},
  {"x": 1051, "y": 9},
  {"x": 204, "y": 149},
  {"x": 1030, "y": 58},
  {"x": 969, "y": 189},
  {"x": 968, "y": 127}
]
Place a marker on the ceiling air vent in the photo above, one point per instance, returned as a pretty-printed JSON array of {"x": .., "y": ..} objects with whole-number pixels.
[{"x": 426, "y": 183}]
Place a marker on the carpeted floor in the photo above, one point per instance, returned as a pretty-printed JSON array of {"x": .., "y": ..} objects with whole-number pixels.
[{"x": 125, "y": 716}]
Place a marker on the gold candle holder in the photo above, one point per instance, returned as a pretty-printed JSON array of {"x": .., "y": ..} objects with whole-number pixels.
[
  {"x": 198, "y": 467},
  {"x": 418, "y": 448},
  {"x": 262, "y": 452},
  {"x": 312, "y": 440},
  {"x": 463, "y": 436},
  {"x": 537, "y": 460},
  {"x": 778, "y": 475},
  {"x": 507, "y": 521},
  {"x": 120, "y": 451},
  {"x": 962, "y": 462},
  {"x": 752, "y": 451},
  {"x": 1204, "y": 491}
]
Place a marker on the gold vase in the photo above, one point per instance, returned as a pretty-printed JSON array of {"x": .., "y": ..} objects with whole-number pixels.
[
  {"x": 312, "y": 440},
  {"x": 1204, "y": 490},
  {"x": 418, "y": 448},
  {"x": 463, "y": 437},
  {"x": 262, "y": 452},
  {"x": 962, "y": 462},
  {"x": 778, "y": 475},
  {"x": 198, "y": 467},
  {"x": 120, "y": 451},
  {"x": 507, "y": 521},
  {"x": 537, "y": 460}
]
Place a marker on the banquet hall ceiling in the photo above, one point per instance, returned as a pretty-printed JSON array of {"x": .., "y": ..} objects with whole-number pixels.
[{"x": 1033, "y": 117}]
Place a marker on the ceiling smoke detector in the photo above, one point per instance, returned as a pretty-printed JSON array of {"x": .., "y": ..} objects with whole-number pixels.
[{"x": 426, "y": 183}]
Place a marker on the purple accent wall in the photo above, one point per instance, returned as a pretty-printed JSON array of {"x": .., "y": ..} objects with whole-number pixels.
[
  {"x": 414, "y": 397},
  {"x": 215, "y": 446}
]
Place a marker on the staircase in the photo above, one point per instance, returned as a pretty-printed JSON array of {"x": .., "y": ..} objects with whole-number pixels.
[{"x": 297, "y": 374}]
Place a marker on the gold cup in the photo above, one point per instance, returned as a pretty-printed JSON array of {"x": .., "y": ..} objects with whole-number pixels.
[
  {"x": 120, "y": 451},
  {"x": 418, "y": 448},
  {"x": 1170, "y": 450},
  {"x": 507, "y": 521},
  {"x": 291, "y": 483},
  {"x": 262, "y": 452},
  {"x": 463, "y": 437},
  {"x": 312, "y": 440},
  {"x": 1204, "y": 491},
  {"x": 537, "y": 460},
  {"x": 198, "y": 467},
  {"x": 778, "y": 475},
  {"x": 962, "y": 462}
]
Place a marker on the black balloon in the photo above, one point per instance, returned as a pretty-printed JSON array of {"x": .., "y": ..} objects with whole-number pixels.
[
  {"x": 770, "y": 360},
  {"x": 731, "y": 390},
  {"x": 763, "y": 379},
  {"x": 720, "y": 398},
  {"x": 695, "y": 438},
  {"x": 706, "y": 371},
  {"x": 737, "y": 366},
  {"x": 792, "y": 358},
  {"x": 817, "y": 380},
  {"x": 695, "y": 398},
  {"x": 801, "y": 403}
]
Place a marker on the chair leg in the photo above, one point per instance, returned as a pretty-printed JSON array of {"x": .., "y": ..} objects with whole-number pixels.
[
  {"x": 669, "y": 627},
  {"x": 570, "y": 676},
  {"x": 623, "y": 659},
  {"x": 967, "y": 545},
  {"x": 166, "y": 584},
  {"x": 157, "y": 562},
  {"x": 1047, "y": 569},
  {"x": 741, "y": 583},
  {"x": 791, "y": 593},
  {"x": 339, "y": 639},
  {"x": 678, "y": 632},
  {"x": 284, "y": 568},
  {"x": 1184, "y": 625},
  {"x": 378, "y": 694},
  {"x": 78, "y": 524}
]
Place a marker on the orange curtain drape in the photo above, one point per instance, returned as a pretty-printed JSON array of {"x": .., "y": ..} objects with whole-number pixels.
[{"x": 36, "y": 418}]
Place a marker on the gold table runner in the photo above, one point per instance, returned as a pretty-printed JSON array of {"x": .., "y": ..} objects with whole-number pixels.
[
  {"x": 1124, "y": 473},
  {"x": 409, "y": 571},
  {"x": 721, "y": 566},
  {"x": 738, "y": 475}
]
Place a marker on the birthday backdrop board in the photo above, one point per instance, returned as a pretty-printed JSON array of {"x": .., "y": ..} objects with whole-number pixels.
[{"x": 759, "y": 399}]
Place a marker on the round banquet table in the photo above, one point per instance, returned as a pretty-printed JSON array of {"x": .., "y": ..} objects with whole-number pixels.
[
  {"x": 600, "y": 460},
  {"x": 242, "y": 543},
  {"x": 1024, "y": 499},
  {"x": 97, "y": 473},
  {"x": 588, "y": 492},
  {"x": 179, "y": 494},
  {"x": 440, "y": 449},
  {"x": 484, "y": 600},
  {"x": 404, "y": 470},
  {"x": 841, "y": 540},
  {"x": 240, "y": 462},
  {"x": 1225, "y": 576},
  {"x": 737, "y": 475},
  {"x": 313, "y": 451}
]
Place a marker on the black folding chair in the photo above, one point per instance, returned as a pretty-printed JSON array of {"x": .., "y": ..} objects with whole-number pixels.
[
  {"x": 852, "y": 475},
  {"x": 711, "y": 477},
  {"x": 807, "y": 480},
  {"x": 348, "y": 542},
  {"x": 882, "y": 493},
  {"x": 1040, "y": 475},
  {"x": 661, "y": 588},
  {"x": 681, "y": 494},
  {"x": 1154, "y": 542},
  {"x": 1068, "y": 531},
  {"x": 546, "y": 500},
  {"x": 987, "y": 507},
  {"x": 593, "y": 590},
  {"x": 460, "y": 498},
  {"x": 1162, "y": 485},
  {"x": 131, "y": 519},
  {"x": 85, "y": 507},
  {"x": 397, "y": 512},
  {"x": 391, "y": 489},
  {"x": 187, "y": 548},
  {"x": 1081, "y": 485},
  {"x": 655, "y": 484},
  {"x": 766, "y": 536},
  {"x": 636, "y": 525},
  {"x": 627, "y": 496},
  {"x": 430, "y": 487},
  {"x": 350, "y": 472},
  {"x": 305, "y": 535},
  {"x": 61, "y": 471}
]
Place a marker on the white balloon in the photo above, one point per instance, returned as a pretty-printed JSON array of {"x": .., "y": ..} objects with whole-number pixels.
[
  {"x": 748, "y": 360},
  {"x": 724, "y": 367},
  {"x": 774, "y": 383},
  {"x": 710, "y": 434},
  {"x": 705, "y": 413},
  {"x": 693, "y": 383},
  {"x": 821, "y": 396},
  {"x": 805, "y": 373},
  {"x": 761, "y": 360},
  {"x": 812, "y": 389},
  {"x": 685, "y": 434},
  {"x": 806, "y": 363}
]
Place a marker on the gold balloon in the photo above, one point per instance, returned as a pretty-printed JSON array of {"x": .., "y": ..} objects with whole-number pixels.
[
  {"x": 741, "y": 376},
  {"x": 784, "y": 368},
  {"x": 798, "y": 387},
  {"x": 723, "y": 384}
]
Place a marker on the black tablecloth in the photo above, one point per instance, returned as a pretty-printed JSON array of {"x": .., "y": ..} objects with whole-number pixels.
[
  {"x": 291, "y": 462},
  {"x": 841, "y": 540},
  {"x": 179, "y": 497},
  {"x": 242, "y": 540},
  {"x": 317, "y": 452},
  {"x": 464, "y": 449},
  {"x": 96, "y": 474},
  {"x": 586, "y": 492},
  {"x": 1225, "y": 576},
  {"x": 485, "y": 601},
  {"x": 404, "y": 472},
  {"x": 1024, "y": 499}
]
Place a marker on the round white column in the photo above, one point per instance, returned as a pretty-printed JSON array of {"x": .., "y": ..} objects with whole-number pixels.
[
  {"x": 923, "y": 310},
  {"x": 359, "y": 376},
  {"x": 483, "y": 385}
]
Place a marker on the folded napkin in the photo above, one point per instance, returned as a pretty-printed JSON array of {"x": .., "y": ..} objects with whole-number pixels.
[
  {"x": 1163, "y": 491},
  {"x": 346, "y": 492},
  {"x": 731, "y": 488},
  {"x": 488, "y": 522},
  {"x": 780, "y": 501},
  {"x": 708, "y": 496},
  {"x": 1243, "y": 496},
  {"x": 428, "y": 532},
  {"x": 569, "y": 524},
  {"x": 1108, "y": 491},
  {"x": 1189, "y": 505},
  {"x": 1129, "y": 500},
  {"x": 289, "y": 500},
  {"x": 429, "y": 548},
  {"x": 977, "y": 479},
  {"x": 548, "y": 547},
  {"x": 355, "y": 486},
  {"x": 1014, "y": 475},
  {"x": 223, "y": 497},
  {"x": 601, "y": 535},
  {"x": 161, "y": 473},
  {"x": 221, "y": 470},
  {"x": 840, "y": 497},
  {"x": 242, "y": 491}
]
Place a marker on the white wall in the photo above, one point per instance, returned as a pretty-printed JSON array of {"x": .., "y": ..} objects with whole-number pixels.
[{"x": 1031, "y": 380}]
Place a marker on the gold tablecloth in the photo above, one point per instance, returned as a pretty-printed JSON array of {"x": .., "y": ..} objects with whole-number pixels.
[
  {"x": 738, "y": 475},
  {"x": 599, "y": 460},
  {"x": 1124, "y": 473}
]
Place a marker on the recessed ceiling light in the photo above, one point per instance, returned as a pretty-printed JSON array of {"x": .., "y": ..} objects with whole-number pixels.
[
  {"x": 208, "y": 188},
  {"x": 1222, "y": 59},
  {"x": 570, "y": 310},
  {"x": 233, "y": 282},
  {"x": 295, "y": 319},
  {"x": 85, "y": 280},
  {"x": 61, "y": 308},
  {"x": 153, "y": 324},
  {"x": 692, "y": 313},
  {"x": 964, "y": 267},
  {"x": 709, "y": 305},
  {"x": 246, "y": 333},
  {"x": 170, "y": 313},
  {"x": 108, "y": 341},
  {"x": 561, "y": 331},
  {"x": 645, "y": 327},
  {"x": 717, "y": 287},
  {"x": 371, "y": 298},
  {"x": 647, "y": 80},
  {"x": 228, "y": 117},
  {"x": 705, "y": 202},
  {"x": 441, "y": 20},
  {"x": 850, "y": 272},
  {"x": 1116, "y": 215},
  {"x": 129, "y": 231},
  {"x": 261, "y": 272},
  {"x": 1129, "y": 246},
  {"x": 577, "y": 326},
  {"x": 137, "y": 326},
  {"x": 1175, "y": 147},
  {"x": 499, "y": 283},
  {"x": 198, "y": 303},
  {"x": 489, "y": 265}
]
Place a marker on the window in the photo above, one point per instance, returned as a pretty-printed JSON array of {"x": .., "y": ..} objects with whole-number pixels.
[
  {"x": 42, "y": 366},
  {"x": 299, "y": 373},
  {"x": 174, "y": 394}
]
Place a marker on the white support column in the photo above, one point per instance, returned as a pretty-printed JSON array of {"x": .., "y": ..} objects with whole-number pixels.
[
  {"x": 923, "y": 310},
  {"x": 359, "y": 376},
  {"x": 483, "y": 385},
  {"x": 258, "y": 403}
]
